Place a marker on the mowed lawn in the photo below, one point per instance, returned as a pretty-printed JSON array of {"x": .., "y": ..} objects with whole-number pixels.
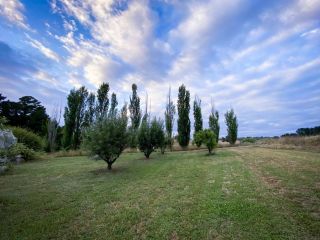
[{"x": 239, "y": 193}]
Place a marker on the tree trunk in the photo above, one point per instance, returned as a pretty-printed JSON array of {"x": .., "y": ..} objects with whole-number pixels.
[{"x": 109, "y": 166}]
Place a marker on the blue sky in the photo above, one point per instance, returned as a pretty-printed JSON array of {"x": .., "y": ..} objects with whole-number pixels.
[{"x": 261, "y": 58}]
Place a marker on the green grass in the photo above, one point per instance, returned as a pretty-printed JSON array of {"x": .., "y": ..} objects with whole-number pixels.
[{"x": 239, "y": 193}]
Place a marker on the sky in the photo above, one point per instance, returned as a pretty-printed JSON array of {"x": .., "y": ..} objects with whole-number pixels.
[{"x": 261, "y": 58}]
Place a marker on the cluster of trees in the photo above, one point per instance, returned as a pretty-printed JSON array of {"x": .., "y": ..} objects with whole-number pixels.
[
  {"x": 26, "y": 113},
  {"x": 94, "y": 119},
  {"x": 304, "y": 132}
]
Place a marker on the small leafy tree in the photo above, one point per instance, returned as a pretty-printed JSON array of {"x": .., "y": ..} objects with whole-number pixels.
[
  {"x": 209, "y": 139},
  {"x": 232, "y": 126},
  {"x": 108, "y": 137},
  {"x": 150, "y": 135},
  {"x": 183, "y": 116}
]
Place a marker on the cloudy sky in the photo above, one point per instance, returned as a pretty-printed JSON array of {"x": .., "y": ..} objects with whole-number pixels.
[{"x": 261, "y": 58}]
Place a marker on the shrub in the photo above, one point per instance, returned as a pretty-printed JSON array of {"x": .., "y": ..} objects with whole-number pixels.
[
  {"x": 28, "y": 138},
  {"x": 206, "y": 137},
  {"x": 197, "y": 138},
  {"x": 20, "y": 149}
]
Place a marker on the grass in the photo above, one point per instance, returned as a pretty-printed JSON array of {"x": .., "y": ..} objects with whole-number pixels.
[{"x": 239, "y": 193}]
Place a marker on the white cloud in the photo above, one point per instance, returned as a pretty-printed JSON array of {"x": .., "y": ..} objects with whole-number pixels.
[
  {"x": 12, "y": 10},
  {"x": 44, "y": 50}
]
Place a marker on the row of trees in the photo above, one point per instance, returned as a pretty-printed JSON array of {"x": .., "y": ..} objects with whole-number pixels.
[{"x": 107, "y": 132}]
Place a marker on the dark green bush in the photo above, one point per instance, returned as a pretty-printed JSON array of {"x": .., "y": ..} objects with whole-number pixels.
[
  {"x": 20, "y": 149},
  {"x": 28, "y": 138}
]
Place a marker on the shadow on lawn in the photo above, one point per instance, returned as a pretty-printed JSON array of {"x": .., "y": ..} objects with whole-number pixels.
[{"x": 105, "y": 170}]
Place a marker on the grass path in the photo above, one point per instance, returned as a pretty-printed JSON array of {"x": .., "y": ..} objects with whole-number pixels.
[{"x": 239, "y": 193}]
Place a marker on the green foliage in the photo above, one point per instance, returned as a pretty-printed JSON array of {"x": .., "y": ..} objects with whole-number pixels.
[
  {"x": 21, "y": 149},
  {"x": 197, "y": 139},
  {"x": 183, "y": 116},
  {"x": 74, "y": 117},
  {"x": 197, "y": 115},
  {"x": 102, "y": 100},
  {"x": 27, "y": 113},
  {"x": 169, "y": 120},
  {"x": 135, "y": 116},
  {"x": 91, "y": 110},
  {"x": 113, "y": 106},
  {"x": 248, "y": 140},
  {"x": 28, "y": 138},
  {"x": 3, "y": 122},
  {"x": 232, "y": 126},
  {"x": 150, "y": 135},
  {"x": 209, "y": 139},
  {"x": 108, "y": 137},
  {"x": 214, "y": 123}
]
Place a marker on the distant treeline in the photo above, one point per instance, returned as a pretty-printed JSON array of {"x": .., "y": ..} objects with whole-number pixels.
[{"x": 304, "y": 132}]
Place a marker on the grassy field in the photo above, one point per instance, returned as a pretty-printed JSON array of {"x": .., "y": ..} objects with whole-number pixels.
[{"x": 239, "y": 193}]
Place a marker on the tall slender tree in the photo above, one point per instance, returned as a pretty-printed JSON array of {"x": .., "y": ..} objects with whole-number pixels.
[
  {"x": 135, "y": 116},
  {"x": 214, "y": 122},
  {"x": 232, "y": 126},
  {"x": 183, "y": 116},
  {"x": 113, "y": 106},
  {"x": 102, "y": 100},
  {"x": 90, "y": 112},
  {"x": 74, "y": 117},
  {"x": 198, "y": 123},
  {"x": 169, "y": 119}
]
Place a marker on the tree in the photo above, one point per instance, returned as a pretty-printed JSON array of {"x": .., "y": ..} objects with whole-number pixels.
[
  {"x": 169, "y": 119},
  {"x": 197, "y": 138},
  {"x": 74, "y": 117},
  {"x": 197, "y": 115},
  {"x": 135, "y": 116},
  {"x": 108, "y": 136},
  {"x": 90, "y": 112},
  {"x": 232, "y": 126},
  {"x": 26, "y": 113},
  {"x": 214, "y": 123},
  {"x": 52, "y": 130},
  {"x": 150, "y": 135},
  {"x": 183, "y": 116},
  {"x": 209, "y": 139},
  {"x": 113, "y": 106},
  {"x": 102, "y": 100}
]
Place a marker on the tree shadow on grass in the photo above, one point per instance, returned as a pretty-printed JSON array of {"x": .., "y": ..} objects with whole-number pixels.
[{"x": 105, "y": 170}]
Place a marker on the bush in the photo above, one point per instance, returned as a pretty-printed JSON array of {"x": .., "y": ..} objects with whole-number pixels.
[
  {"x": 197, "y": 138},
  {"x": 28, "y": 138},
  {"x": 248, "y": 140},
  {"x": 20, "y": 149},
  {"x": 209, "y": 139}
]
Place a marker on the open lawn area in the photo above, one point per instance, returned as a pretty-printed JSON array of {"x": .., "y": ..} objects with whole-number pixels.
[{"x": 238, "y": 193}]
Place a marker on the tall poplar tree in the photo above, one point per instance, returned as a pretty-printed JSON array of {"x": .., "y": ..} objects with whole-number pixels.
[
  {"x": 183, "y": 116},
  {"x": 232, "y": 126},
  {"x": 198, "y": 123},
  {"x": 74, "y": 117},
  {"x": 169, "y": 119},
  {"x": 102, "y": 100},
  {"x": 214, "y": 123},
  {"x": 135, "y": 116}
]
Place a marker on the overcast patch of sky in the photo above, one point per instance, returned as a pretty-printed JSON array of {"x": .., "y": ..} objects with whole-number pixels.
[{"x": 261, "y": 58}]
